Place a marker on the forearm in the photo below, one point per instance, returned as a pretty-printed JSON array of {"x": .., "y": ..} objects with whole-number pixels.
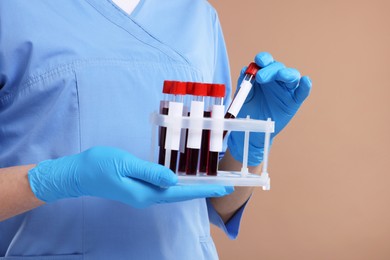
[
  {"x": 226, "y": 206},
  {"x": 16, "y": 195}
]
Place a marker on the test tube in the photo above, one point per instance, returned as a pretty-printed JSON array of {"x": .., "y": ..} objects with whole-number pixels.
[
  {"x": 183, "y": 140},
  {"x": 243, "y": 91},
  {"x": 175, "y": 108},
  {"x": 216, "y": 137},
  {"x": 195, "y": 131},
  {"x": 167, "y": 87},
  {"x": 204, "y": 148}
]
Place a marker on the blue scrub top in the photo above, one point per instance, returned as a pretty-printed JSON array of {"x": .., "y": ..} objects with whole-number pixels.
[{"x": 80, "y": 73}]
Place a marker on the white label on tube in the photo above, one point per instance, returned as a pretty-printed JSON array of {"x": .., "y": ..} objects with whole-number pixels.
[
  {"x": 216, "y": 133},
  {"x": 239, "y": 99},
  {"x": 195, "y": 129},
  {"x": 174, "y": 128}
]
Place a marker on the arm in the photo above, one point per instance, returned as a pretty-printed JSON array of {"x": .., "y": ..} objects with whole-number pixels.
[
  {"x": 228, "y": 205},
  {"x": 277, "y": 93},
  {"x": 104, "y": 172},
  {"x": 16, "y": 195}
]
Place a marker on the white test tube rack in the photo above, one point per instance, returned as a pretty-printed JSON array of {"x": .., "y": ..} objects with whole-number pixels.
[{"x": 227, "y": 178}]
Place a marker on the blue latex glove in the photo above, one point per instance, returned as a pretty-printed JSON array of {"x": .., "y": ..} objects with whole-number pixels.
[
  {"x": 114, "y": 174},
  {"x": 277, "y": 93}
]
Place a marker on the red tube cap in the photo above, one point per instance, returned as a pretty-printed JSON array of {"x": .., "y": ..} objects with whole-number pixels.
[
  {"x": 179, "y": 88},
  {"x": 217, "y": 90},
  {"x": 252, "y": 69},
  {"x": 167, "y": 87},
  {"x": 190, "y": 88},
  {"x": 200, "y": 89}
]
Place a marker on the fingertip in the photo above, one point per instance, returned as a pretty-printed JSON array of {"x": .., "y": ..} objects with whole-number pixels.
[
  {"x": 229, "y": 189},
  {"x": 288, "y": 75},
  {"x": 168, "y": 178},
  {"x": 304, "y": 89},
  {"x": 264, "y": 59},
  {"x": 220, "y": 191},
  {"x": 210, "y": 190},
  {"x": 269, "y": 73},
  {"x": 307, "y": 81},
  {"x": 261, "y": 77},
  {"x": 155, "y": 174}
]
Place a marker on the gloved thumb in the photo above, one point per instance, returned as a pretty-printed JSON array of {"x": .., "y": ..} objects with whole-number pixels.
[{"x": 150, "y": 172}]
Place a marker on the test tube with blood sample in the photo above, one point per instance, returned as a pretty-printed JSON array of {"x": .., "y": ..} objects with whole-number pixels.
[
  {"x": 204, "y": 148},
  {"x": 217, "y": 93},
  {"x": 167, "y": 87},
  {"x": 199, "y": 92},
  {"x": 183, "y": 140},
  {"x": 243, "y": 91},
  {"x": 173, "y": 134}
]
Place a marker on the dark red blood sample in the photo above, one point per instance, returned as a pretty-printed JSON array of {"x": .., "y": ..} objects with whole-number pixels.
[
  {"x": 183, "y": 156},
  {"x": 214, "y": 156},
  {"x": 162, "y": 137},
  {"x": 213, "y": 163},
  {"x": 204, "y": 148},
  {"x": 192, "y": 161},
  {"x": 173, "y": 162}
]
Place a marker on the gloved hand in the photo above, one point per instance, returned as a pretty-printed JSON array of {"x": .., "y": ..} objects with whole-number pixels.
[
  {"x": 114, "y": 174},
  {"x": 277, "y": 93}
]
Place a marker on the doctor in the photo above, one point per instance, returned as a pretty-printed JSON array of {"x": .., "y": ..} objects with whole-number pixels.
[{"x": 75, "y": 75}]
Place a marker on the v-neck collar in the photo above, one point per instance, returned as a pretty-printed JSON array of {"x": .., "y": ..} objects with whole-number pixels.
[
  {"x": 134, "y": 12},
  {"x": 127, "y": 5},
  {"x": 120, "y": 18}
]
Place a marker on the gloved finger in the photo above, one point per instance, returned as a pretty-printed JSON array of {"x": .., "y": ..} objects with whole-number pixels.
[
  {"x": 263, "y": 59},
  {"x": 269, "y": 73},
  {"x": 288, "y": 77},
  {"x": 303, "y": 89},
  {"x": 181, "y": 193},
  {"x": 150, "y": 172}
]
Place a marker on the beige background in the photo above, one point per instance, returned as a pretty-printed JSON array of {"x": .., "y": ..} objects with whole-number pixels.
[{"x": 329, "y": 167}]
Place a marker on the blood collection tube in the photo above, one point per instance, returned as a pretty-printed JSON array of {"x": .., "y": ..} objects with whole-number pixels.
[
  {"x": 183, "y": 140},
  {"x": 243, "y": 91},
  {"x": 167, "y": 87},
  {"x": 175, "y": 108},
  {"x": 199, "y": 92},
  {"x": 216, "y": 135},
  {"x": 204, "y": 148}
]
